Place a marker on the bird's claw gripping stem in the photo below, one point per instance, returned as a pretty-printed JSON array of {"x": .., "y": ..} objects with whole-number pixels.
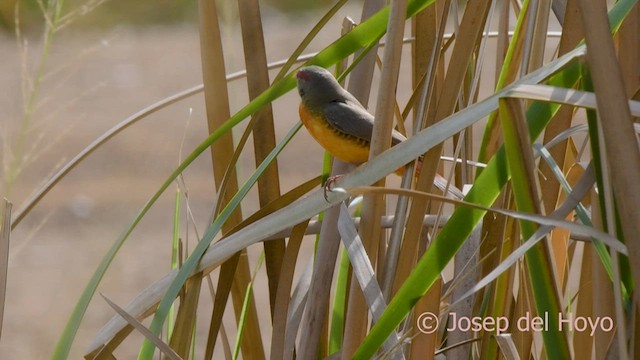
[{"x": 327, "y": 185}]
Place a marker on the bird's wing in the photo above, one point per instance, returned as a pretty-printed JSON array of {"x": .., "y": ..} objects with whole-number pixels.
[
  {"x": 349, "y": 118},
  {"x": 354, "y": 120}
]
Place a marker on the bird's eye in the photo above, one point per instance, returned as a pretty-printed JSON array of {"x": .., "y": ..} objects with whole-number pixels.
[{"x": 301, "y": 92}]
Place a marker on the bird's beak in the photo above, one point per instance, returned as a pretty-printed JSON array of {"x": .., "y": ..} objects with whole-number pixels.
[{"x": 302, "y": 75}]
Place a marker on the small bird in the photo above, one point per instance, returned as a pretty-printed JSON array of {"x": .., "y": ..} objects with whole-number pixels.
[
  {"x": 335, "y": 118},
  {"x": 341, "y": 125}
]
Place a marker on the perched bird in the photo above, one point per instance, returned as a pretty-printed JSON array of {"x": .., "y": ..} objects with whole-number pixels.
[
  {"x": 339, "y": 123},
  {"x": 335, "y": 118}
]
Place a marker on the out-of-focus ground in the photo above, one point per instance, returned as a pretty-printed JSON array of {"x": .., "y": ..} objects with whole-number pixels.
[{"x": 95, "y": 79}]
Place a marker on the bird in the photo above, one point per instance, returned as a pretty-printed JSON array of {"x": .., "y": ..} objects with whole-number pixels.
[
  {"x": 342, "y": 126},
  {"x": 335, "y": 118}
]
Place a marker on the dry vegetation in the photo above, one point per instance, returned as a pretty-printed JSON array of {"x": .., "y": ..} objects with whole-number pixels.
[{"x": 523, "y": 217}]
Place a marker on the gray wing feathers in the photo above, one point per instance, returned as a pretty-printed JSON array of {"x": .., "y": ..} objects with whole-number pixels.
[
  {"x": 350, "y": 119},
  {"x": 354, "y": 120}
]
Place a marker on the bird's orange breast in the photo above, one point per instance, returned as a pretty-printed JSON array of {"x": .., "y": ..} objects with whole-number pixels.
[{"x": 345, "y": 147}]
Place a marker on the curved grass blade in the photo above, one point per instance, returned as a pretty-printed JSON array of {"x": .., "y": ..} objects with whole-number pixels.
[{"x": 164, "y": 347}]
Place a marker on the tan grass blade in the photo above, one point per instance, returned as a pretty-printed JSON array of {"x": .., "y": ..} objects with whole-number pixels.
[
  {"x": 508, "y": 73},
  {"x": 183, "y": 329},
  {"x": 503, "y": 36},
  {"x": 415, "y": 236},
  {"x": 422, "y": 344},
  {"x": 385, "y": 105},
  {"x": 424, "y": 31},
  {"x": 582, "y": 341},
  {"x": 373, "y": 207},
  {"x": 117, "y": 329},
  {"x": 5, "y": 236},
  {"x": 467, "y": 39},
  {"x": 606, "y": 211},
  {"x": 264, "y": 139},
  {"x": 466, "y": 258},
  {"x": 277, "y": 204},
  {"x": 106, "y": 352},
  {"x": 224, "y": 338},
  {"x": 162, "y": 346},
  {"x": 283, "y": 296},
  {"x": 217, "y": 106},
  {"x": 629, "y": 51},
  {"x": 225, "y": 280},
  {"x": 603, "y": 299},
  {"x": 550, "y": 188},
  {"x": 251, "y": 340},
  {"x": 361, "y": 77},
  {"x": 283, "y": 201},
  {"x": 296, "y": 311},
  {"x": 559, "y": 238},
  {"x": 542, "y": 269},
  {"x": 539, "y": 26},
  {"x": 468, "y": 36},
  {"x": 618, "y": 135},
  {"x": 499, "y": 230},
  {"x": 524, "y": 306},
  {"x": 329, "y": 239},
  {"x": 318, "y": 297},
  {"x": 363, "y": 271},
  {"x": 425, "y": 55},
  {"x": 571, "y": 35}
]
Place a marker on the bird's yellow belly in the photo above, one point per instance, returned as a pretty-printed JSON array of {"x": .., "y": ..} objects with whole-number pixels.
[{"x": 345, "y": 147}]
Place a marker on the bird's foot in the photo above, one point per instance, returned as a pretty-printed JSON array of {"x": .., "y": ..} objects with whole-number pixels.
[{"x": 327, "y": 185}]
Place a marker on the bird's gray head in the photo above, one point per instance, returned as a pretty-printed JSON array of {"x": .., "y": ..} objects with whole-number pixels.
[{"x": 317, "y": 86}]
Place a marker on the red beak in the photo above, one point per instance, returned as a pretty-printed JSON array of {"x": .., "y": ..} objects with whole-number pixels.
[{"x": 302, "y": 75}]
